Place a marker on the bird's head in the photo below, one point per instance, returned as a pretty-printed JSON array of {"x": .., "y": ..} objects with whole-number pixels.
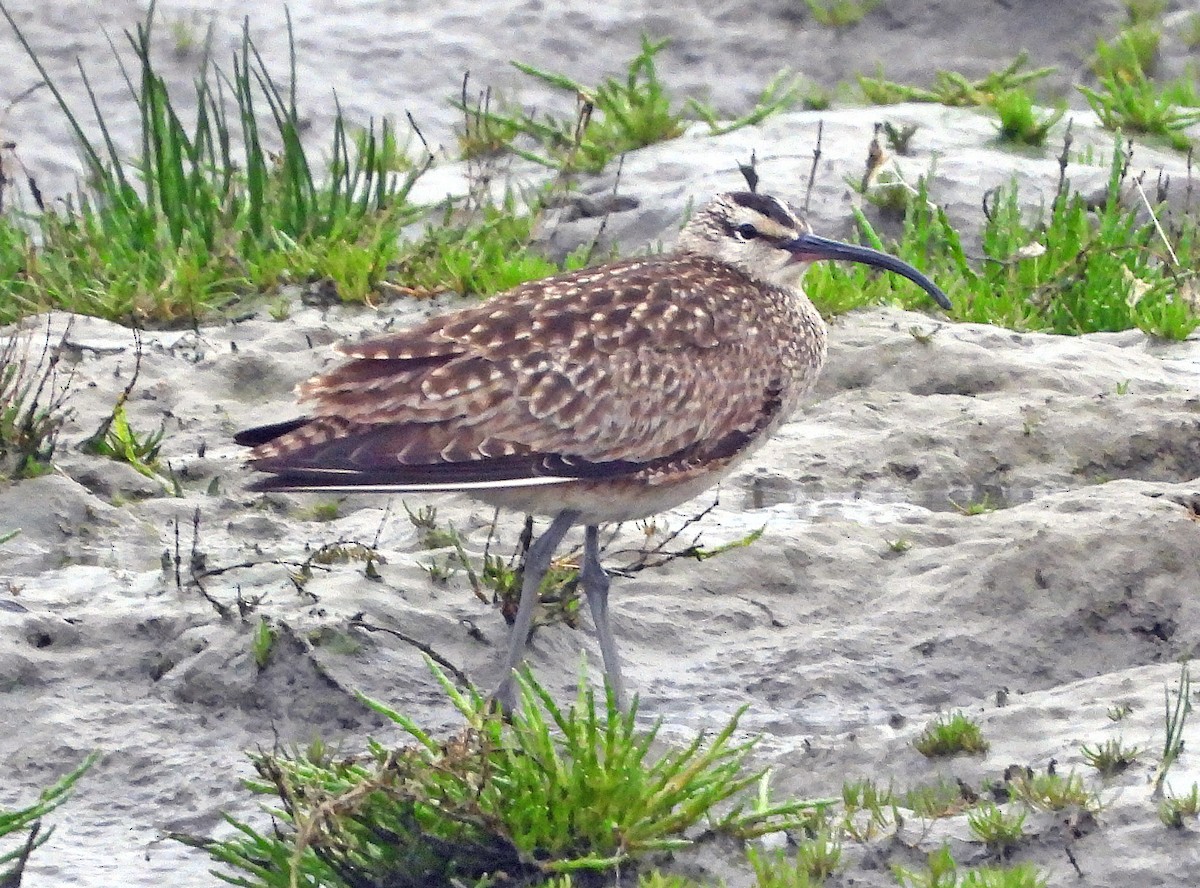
[{"x": 769, "y": 240}]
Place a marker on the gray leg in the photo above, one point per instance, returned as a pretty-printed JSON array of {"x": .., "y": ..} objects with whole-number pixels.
[
  {"x": 537, "y": 562},
  {"x": 595, "y": 584}
]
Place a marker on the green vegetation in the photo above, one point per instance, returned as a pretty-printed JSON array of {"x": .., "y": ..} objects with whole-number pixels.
[
  {"x": 1077, "y": 269},
  {"x": 116, "y": 438},
  {"x": 975, "y": 507},
  {"x": 497, "y": 580},
  {"x": 486, "y": 255},
  {"x": 493, "y": 578},
  {"x": 431, "y": 535},
  {"x": 1119, "y": 712},
  {"x": 328, "y": 510},
  {"x": 1110, "y": 757},
  {"x": 1135, "y": 46},
  {"x": 1175, "y": 810},
  {"x": 195, "y": 222},
  {"x": 840, "y": 13},
  {"x": 1001, "y": 831},
  {"x": 950, "y": 735},
  {"x": 33, "y": 406},
  {"x": 1183, "y": 91},
  {"x": 953, "y": 89},
  {"x": 188, "y": 229},
  {"x": 815, "y": 860},
  {"x": 1140, "y": 11},
  {"x": 560, "y": 793},
  {"x": 612, "y": 118},
  {"x": 899, "y": 137},
  {"x": 207, "y": 216},
  {"x": 25, "y": 823},
  {"x": 1132, "y": 52},
  {"x": 1135, "y": 103},
  {"x": 941, "y": 798},
  {"x": 1053, "y": 792},
  {"x": 122, "y": 443},
  {"x": 1020, "y": 121},
  {"x": 653, "y": 879},
  {"x": 555, "y": 791},
  {"x": 1177, "y": 707},
  {"x": 867, "y": 810},
  {"x": 263, "y": 642},
  {"x": 943, "y": 872},
  {"x": 1128, "y": 99},
  {"x": 780, "y": 93}
]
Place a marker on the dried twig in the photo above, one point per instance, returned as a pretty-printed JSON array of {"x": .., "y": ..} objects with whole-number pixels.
[
  {"x": 812, "y": 173},
  {"x": 460, "y": 677}
]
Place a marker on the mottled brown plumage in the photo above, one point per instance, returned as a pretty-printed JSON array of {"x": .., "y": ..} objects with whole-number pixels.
[
  {"x": 599, "y": 395},
  {"x": 638, "y": 370}
]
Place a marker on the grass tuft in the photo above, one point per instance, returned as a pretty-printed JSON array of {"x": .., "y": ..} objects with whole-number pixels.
[
  {"x": 206, "y": 213},
  {"x": 867, "y": 809},
  {"x": 1132, "y": 102},
  {"x": 976, "y": 507},
  {"x": 614, "y": 117},
  {"x": 33, "y": 405},
  {"x": 1001, "y": 831},
  {"x": 1173, "y": 811},
  {"x": 953, "y": 89},
  {"x": 1081, "y": 267},
  {"x": 1110, "y": 757},
  {"x": 950, "y": 735},
  {"x": 840, "y": 13},
  {"x": 654, "y": 879},
  {"x": 206, "y": 216},
  {"x": 1140, "y": 11},
  {"x": 1132, "y": 51},
  {"x": 555, "y": 791},
  {"x": 1020, "y": 121},
  {"x": 815, "y": 860},
  {"x": 122, "y": 443},
  {"x": 941, "y": 798},
  {"x": 943, "y": 872},
  {"x": 263, "y": 642},
  {"x": 486, "y": 254},
  {"x": 1053, "y": 792}
]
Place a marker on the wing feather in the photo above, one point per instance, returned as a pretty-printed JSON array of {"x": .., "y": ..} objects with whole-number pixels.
[{"x": 590, "y": 373}]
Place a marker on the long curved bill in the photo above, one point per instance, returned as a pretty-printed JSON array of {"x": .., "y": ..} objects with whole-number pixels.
[{"x": 810, "y": 247}]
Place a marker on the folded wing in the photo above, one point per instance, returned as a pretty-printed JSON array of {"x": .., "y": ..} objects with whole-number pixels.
[{"x": 585, "y": 375}]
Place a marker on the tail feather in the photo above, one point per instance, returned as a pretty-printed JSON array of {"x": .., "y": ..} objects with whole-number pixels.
[
  {"x": 265, "y": 433},
  {"x": 374, "y": 460},
  {"x": 300, "y": 482}
]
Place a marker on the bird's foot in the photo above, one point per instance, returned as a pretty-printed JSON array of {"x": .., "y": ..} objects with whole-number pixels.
[{"x": 503, "y": 700}]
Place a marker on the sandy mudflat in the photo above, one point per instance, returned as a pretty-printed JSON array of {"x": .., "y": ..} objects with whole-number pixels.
[{"x": 1079, "y": 594}]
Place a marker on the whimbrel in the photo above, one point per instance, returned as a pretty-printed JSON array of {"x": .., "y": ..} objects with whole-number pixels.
[{"x": 600, "y": 395}]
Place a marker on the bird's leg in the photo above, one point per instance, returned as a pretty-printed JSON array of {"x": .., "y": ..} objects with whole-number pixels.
[
  {"x": 595, "y": 584},
  {"x": 537, "y": 562}
]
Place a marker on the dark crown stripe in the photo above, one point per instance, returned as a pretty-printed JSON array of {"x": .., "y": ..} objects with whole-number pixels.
[{"x": 768, "y": 206}]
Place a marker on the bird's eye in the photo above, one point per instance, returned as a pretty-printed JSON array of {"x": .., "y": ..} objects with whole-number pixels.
[{"x": 746, "y": 231}]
